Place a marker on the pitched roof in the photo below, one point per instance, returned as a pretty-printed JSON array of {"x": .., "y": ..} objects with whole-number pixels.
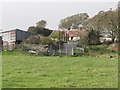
[{"x": 73, "y": 32}]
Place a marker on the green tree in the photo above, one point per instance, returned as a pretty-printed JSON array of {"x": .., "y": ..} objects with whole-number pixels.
[
  {"x": 89, "y": 37},
  {"x": 44, "y": 31},
  {"x": 93, "y": 38},
  {"x": 40, "y": 28},
  {"x": 33, "y": 29},
  {"x": 110, "y": 23},
  {"x": 95, "y": 23},
  {"x": 73, "y": 22},
  {"x": 104, "y": 23},
  {"x": 84, "y": 37},
  {"x": 54, "y": 35},
  {"x": 41, "y": 23}
]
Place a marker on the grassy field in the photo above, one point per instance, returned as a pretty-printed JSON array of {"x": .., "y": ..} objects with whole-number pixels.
[{"x": 20, "y": 71}]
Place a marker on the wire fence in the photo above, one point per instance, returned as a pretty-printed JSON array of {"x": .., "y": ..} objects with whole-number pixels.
[{"x": 65, "y": 51}]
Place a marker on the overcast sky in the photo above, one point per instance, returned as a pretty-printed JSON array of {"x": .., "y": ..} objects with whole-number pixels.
[{"x": 21, "y": 15}]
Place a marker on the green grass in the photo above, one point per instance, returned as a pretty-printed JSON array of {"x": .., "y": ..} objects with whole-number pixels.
[
  {"x": 100, "y": 51},
  {"x": 20, "y": 71}
]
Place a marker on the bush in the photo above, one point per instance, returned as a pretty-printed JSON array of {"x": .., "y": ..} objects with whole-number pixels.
[
  {"x": 40, "y": 30},
  {"x": 107, "y": 42},
  {"x": 46, "y": 41},
  {"x": 93, "y": 37},
  {"x": 98, "y": 50},
  {"x": 32, "y": 40},
  {"x": 44, "y": 53},
  {"x": 11, "y": 52},
  {"x": 78, "y": 53}
]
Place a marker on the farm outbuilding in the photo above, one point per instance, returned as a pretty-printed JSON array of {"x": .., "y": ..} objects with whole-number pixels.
[
  {"x": 13, "y": 37},
  {"x": 72, "y": 35}
]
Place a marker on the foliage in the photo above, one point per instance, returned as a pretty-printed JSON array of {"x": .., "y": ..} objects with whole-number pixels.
[
  {"x": 110, "y": 23},
  {"x": 107, "y": 42},
  {"x": 60, "y": 35},
  {"x": 32, "y": 40},
  {"x": 94, "y": 28},
  {"x": 100, "y": 50},
  {"x": 54, "y": 35},
  {"x": 44, "y": 31},
  {"x": 78, "y": 53},
  {"x": 89, "y": 38},
  {"x": 40, "y": 30},
  {"x": 41, "y": 23},
  {"x": 11, "y": 52},
  {"x": 73, "y": 22},
  {"x": 33, "y": 29},
  {"x": 93, "y": 38},
  {"x": 43, "y": 53},
  {"x": 104, "y": 23},
  {"x": 46, "y": 41},
  {"x": 84, "y": 38}
]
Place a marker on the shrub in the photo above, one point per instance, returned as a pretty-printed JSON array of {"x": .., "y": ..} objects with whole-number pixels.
[
  {"x": 43, "y": 53},
  {"x": 33, "y": 40},
  {"x": 40, "y": 30},
  {"x": 46, "y": 41},
  {"x": 107, "y": 42},
  {"x": 78, "y": 53},
  {"x": 11, "y": 52}
]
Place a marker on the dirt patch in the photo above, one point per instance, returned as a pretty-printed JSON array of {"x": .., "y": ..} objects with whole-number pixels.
[{"x": 113, "y": 47}]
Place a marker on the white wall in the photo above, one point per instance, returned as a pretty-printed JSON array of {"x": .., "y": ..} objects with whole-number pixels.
[
  {"x": 74, "y": 38},
  {"x": 9, "y": 36}
]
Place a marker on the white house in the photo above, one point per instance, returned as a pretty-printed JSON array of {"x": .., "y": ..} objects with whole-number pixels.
[{"x": 72, "y": 35}]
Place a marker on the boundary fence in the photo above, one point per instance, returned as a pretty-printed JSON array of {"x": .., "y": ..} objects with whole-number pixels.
[{"x": 65, "y": 51}]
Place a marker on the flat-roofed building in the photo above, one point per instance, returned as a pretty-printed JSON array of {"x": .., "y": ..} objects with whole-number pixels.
[{"x": 13, "y": 37}]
